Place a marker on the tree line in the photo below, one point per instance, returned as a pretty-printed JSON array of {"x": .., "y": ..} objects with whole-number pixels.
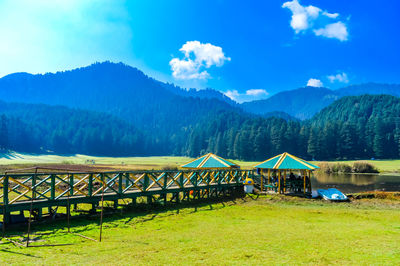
[{"x": 354, "y": 127}]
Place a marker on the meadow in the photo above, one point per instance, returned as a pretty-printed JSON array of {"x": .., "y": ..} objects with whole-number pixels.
[
  {"x": 249, "y": 231},
  {"x": 18, "y": 160},
  {"x": 252, "y": 230}
]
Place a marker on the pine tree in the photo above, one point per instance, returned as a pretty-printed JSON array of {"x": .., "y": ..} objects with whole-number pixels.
[{"x": 379, "y": 139}]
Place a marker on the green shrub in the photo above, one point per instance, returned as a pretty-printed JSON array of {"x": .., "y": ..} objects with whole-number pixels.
[
  {"x": 329, "y": 168},
  {"x": 325, "y": 167},
  {"x": 364, "y": 167}
]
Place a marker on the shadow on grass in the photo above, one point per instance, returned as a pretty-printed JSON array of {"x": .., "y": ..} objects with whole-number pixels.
[
  {"x": 19, "y": 253},
  {"x": 82, "y": 222}
]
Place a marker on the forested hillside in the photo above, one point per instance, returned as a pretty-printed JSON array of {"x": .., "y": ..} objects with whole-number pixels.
[
  {"x": 353, "y": 127},
  {"x": 358, "y": 127},
  {"x": 42, "y": 129},
  {"x": 121, "y": 91},
  {"x": 113, "y": 109}
]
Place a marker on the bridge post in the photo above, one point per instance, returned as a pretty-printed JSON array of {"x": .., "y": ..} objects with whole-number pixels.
[
  {"x": 6, "y": 214},
  {"x": 71, "y": 184},
  {"x": 90, "y": 185},
  {"x": 120, "y": 183},
  {"x": 53, "y": 187},
  {"x": 33, "y": 186}
]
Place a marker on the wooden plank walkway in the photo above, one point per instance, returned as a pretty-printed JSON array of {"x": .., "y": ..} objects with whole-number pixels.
[{"x": 34, "y": 191}]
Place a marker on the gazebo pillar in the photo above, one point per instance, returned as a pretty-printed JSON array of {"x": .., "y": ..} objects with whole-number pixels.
[
  {"x": 284, "y": 181},
  {"x": 262, "y": 180},
  {"x": 279, "y": 181}
]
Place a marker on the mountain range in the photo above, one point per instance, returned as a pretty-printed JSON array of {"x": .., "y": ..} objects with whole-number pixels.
[
  {"x": 125, "y": 112},
  {"x": 305, "y": 102},
  {"x": 107, "y": 86}
]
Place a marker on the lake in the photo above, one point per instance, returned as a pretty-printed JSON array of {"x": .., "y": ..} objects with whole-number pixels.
[{"x": 352, "y": 183}]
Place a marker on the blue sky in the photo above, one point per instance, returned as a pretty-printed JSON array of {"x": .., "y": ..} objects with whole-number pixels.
[{"x": 247, "y": 49}]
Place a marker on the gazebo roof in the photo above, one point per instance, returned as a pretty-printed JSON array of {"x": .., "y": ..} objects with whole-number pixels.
[
  {"x": 210, "y": 160},
  {"x": 286, "y": 161}
]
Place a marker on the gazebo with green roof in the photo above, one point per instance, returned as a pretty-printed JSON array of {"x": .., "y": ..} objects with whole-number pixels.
[
  {"x": 210, "y": 161},
  {"x": 286, "y": 162}
]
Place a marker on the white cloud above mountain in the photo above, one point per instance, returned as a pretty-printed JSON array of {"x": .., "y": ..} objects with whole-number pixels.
[
  {"x": 249, "y": 95},
  {"x": 314, "y": 83},
  {"x": 322, "y": 23},
  {"x": 197, "y": 58},
  {"x": 340, "y": 77}
]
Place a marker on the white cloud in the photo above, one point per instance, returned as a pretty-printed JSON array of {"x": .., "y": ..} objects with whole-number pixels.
[
  {"x": 197, "y": 57},
  {"x": 256, "y": 92},
  {"x": 336, "y": 30},
  {"x": 330, "y": 15},
  {"x": 341, "y": 77},
  {"x": 249, "y": 95},
  {"x": 233, "y": 94},
  {"x": 302, "y": 17},
  {"x": 312, "y": 17},
  {"x": 314, "y": 83}
]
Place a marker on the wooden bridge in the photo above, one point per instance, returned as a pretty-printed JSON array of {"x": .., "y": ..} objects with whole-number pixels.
[{"x": 35, "y": 191}]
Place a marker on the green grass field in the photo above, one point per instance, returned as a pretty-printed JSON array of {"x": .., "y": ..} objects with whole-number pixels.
[
  {"x": 17, "y": 160},
  {"x": 270, "y": 229}
]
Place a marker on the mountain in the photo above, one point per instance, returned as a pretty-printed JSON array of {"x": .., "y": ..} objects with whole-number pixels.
[
  {"x": 303, "y": 103},
  {"x": 370, "y": 88},
  {"x": 124, "y": 92},
  {"x": 114, "y": 109}
]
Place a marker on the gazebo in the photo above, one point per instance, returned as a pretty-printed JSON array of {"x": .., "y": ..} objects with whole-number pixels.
[
  {"x": 284, "y": 163},
  {"x": 210, "y": 161}
]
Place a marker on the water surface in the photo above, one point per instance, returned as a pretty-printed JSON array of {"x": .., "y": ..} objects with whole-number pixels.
[{"x": 353, "y": 183}]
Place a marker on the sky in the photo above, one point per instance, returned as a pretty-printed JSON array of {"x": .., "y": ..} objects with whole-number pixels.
[{"x": 246, "y": 49}]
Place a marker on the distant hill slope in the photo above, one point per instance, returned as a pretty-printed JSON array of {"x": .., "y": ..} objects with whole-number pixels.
[
  {"x": 303, "y": 103},
  {"x": 361, "y": 110},
  {"x": 42, "y": 128},
  {"x": 370, "y": 88}
]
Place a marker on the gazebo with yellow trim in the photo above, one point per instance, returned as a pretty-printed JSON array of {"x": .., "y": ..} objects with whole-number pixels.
[
  {"x": 210, "y": 161},
  {"x": 286, "y": 162}
]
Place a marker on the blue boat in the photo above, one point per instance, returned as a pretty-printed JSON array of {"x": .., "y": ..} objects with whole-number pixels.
[{"x": 332, "y": 194}]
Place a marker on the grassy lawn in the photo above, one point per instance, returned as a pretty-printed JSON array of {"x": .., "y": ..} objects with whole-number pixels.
[
  {"x": 17, "y": 160},
  {"x": 270, "y": 229}
]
